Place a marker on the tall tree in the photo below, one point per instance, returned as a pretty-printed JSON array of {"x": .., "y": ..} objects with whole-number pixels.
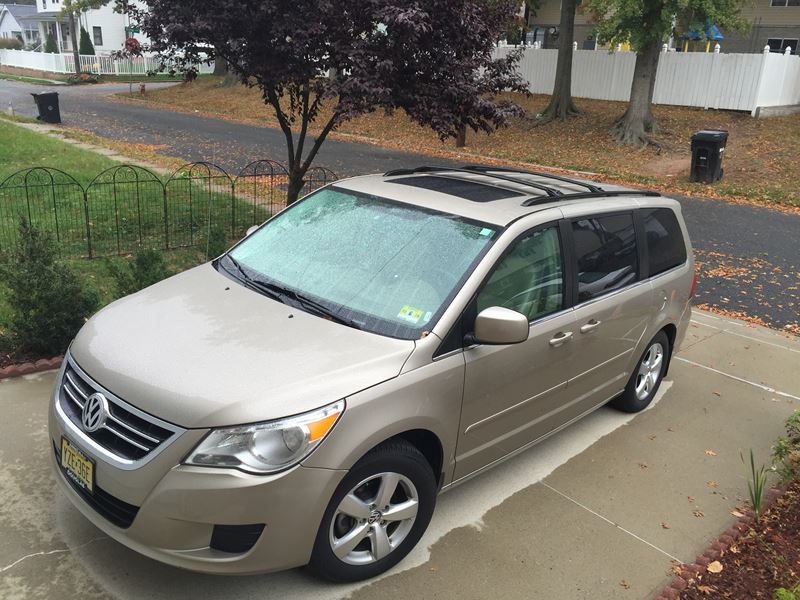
[
  {"x": 561, "y": 105},
  {"x": 319, "y": 63},
  {"x": 72, "y": 9},
  {"x": 646, "y": 24},
  {"x": 86, "y": 48}
]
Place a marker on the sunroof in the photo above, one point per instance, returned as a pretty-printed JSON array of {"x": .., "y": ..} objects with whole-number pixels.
[{"x": 462, "y": 188}]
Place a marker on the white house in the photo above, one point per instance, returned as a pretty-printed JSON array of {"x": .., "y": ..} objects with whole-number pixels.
[
  {"x": 13, "y": 24},
  {"x": 107, "y": 29}
]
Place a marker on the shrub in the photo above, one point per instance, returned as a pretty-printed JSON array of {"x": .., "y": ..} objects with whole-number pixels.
[
  {"x": 784, "y": 594},
  {"x": 11, "y": 43},
  {"x": 50, "y": 45},
  {"x": 85, "y": 46},
  {"x": 84, "y": 77},
  {"x": 148, "y": 267},
  {"x": 217, "y": 242},
  {"x": 786, "y": 451},
  {"x": 49, "y": 303}
]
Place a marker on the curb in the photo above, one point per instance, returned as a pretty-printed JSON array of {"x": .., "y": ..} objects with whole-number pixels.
[
  {"x": 687, "y": 572},
  {"x": 27, "y": 368}
]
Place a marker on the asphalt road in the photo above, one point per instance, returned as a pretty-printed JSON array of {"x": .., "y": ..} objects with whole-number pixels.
[{"x": 749, "y": 256}]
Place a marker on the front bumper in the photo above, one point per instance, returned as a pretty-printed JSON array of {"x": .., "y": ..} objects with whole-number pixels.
[{"x": 179, "y": 505}]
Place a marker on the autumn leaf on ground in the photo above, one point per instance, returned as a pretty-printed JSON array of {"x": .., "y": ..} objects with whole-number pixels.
[
  {"x": 714, "y": 567},
  {"x": 665, "y": 525},
  {"x": 717, "y": 394},
  {"x": 698, "y": 513},
  {"x": 690, "y": 499},
  {"x": 651, "y": 437},
  {"x": 706, "y": 589},
  {"x": 712, "y": 484},
  {"x": 434, "y": 568},
  {"x": 711, "y": 453},
  {"x": 737, "y": 514},
  {"x": 625, "y": 584},
  {"x": 734, "y": 549},
  {"x": 642, "y": 465}
]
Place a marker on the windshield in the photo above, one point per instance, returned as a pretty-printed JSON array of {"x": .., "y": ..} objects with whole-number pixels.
[{"x": 381, "y": 265}]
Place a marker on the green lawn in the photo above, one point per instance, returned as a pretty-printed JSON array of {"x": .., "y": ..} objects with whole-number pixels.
[{"x": 22, "y": 148}]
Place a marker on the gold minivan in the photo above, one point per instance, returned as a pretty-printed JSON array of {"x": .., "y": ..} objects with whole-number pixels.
[{"x": 305, "y": 397}]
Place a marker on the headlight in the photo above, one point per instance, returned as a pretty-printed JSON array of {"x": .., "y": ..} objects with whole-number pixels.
[{"x": 266, "y": 447}]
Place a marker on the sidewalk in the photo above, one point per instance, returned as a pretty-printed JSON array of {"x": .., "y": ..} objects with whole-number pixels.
[{"x": 600, "y": 510}]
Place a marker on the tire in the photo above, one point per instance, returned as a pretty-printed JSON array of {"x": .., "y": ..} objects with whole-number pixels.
[
  {"x": 646, "y": 377},
  {"x": 352, "y": 547}
]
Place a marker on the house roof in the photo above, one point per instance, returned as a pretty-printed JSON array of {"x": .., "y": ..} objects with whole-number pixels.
[{"x": 19, "y": 11}]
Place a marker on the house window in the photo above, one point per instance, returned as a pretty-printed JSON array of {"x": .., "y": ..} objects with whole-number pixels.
[
  {"x": 97, "y": 33},
  {"x": 779, "y": 45},
  {"x": 785, "y": 2}
]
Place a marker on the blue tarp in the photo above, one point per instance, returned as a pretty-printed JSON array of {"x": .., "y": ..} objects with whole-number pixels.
[{"x": 712, "y": 33}]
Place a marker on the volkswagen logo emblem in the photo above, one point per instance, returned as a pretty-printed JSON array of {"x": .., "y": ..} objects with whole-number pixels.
[{"x": 95, "y": 412}]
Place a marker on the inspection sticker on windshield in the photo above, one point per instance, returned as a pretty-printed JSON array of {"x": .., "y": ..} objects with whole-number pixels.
[
  {"x": 410, "y": 314},
  {"x": 486, "y": 231}
]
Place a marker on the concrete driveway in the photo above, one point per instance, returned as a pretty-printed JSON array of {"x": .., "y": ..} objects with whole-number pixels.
[{"x": 600, "y": 510}]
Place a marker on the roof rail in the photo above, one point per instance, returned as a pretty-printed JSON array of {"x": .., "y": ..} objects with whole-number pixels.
[
  {"x": 582, "y": 195},
  {"x": 551, "y": 192},
  {"x": 489, "y": 170}
]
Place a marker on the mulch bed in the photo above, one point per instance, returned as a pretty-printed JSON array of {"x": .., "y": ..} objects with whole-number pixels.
[{"x": 761, "y": 559}]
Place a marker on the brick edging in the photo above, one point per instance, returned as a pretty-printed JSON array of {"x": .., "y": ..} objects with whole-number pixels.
[
  {"x": 688, "y": 572},
  {"x": 26, "y": 368}
]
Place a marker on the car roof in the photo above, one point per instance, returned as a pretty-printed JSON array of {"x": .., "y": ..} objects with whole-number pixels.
[{"x": 495, "y": 195}]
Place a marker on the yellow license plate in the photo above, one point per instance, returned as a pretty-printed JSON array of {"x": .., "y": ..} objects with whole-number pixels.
[{"x": 77, "y": 466}]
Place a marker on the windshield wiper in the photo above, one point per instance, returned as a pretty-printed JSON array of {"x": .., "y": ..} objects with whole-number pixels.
[{"x": 279, "y": 292}]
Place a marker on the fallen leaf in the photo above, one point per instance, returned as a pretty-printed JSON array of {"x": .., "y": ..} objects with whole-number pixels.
[
  {"x": 434, "y": 568},
  {"x": 665, "y": 525},
  {"x": 714, "y": 567},
  {"x": 711, "y": 453},
  {"x": 737, "y": 514},
  {"x": 625, "y": 584},
  {"x": 734, "y": 549},
  {"x": 717, "y": 394},
  {"x": 670, "y": 429},
  {"x": 712, "y": 483},
  {"x": 706, "y": 589},
  {"x": 698, "y": 513},
  {"x": 652, "y": 437},
  {"x": 690, "y": 499},
  {"x": 642, "y": 465}
]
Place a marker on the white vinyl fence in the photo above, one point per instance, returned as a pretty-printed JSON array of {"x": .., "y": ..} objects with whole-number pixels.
[
  {"x": 707, "y": 80},
  {"x": 64, "y": 63}
]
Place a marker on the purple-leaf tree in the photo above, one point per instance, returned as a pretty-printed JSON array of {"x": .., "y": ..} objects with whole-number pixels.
[{"x": 319, "y": 63}]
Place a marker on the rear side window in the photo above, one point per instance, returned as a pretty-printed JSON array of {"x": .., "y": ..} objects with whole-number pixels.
[
  {"x": 665, "y": 245},
  {"x": 606, "y": 251}
]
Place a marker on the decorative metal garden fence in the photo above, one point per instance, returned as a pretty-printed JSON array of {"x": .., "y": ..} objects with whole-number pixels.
[{"x": 127, "y": 207}]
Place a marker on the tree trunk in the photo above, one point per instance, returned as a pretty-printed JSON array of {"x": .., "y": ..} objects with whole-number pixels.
[
  {"x": 461, "y": 137},
  {"x": 561, "y": 106},
  {"x": 296, "y": 183},
  {"x": 73, "y": 34},
  {"x": 220, "y": 66},
  {"x": 637, "y": 123}
]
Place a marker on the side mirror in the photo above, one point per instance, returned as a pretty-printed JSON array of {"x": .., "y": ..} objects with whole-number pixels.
[
  {"x": 250, "y": 230},
  {"x": 497, "y": 325}
]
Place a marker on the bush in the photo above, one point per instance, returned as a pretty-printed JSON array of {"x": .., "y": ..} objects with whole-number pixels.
[
  {"x": 784, "y": 594},
  {"x": 786, "y": 451},
  {"x": 50, "y": 45},
  {"x": 148, "y": 267},
  {"x": 84, "y": 77},
  {"x": 217, "y": 242},
  {"x": 85, "y": 46},
  {"x": 11, "y": 44},
  {"x": 49, "y": 303}
]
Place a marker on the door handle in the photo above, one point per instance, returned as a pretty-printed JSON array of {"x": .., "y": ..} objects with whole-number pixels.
[
  {"x": 560, "y": 338},
  {"x": 590, "y": 326}
]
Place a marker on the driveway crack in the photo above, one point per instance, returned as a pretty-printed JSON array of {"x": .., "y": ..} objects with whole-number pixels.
[{"x": 49, "y": 552}]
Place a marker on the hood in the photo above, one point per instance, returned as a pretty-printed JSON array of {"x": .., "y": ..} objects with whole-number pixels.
[{"x": 201, "y": 350}]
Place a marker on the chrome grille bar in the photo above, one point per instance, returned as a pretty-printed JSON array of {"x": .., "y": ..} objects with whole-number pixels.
[{"x": 129, "y": 436}]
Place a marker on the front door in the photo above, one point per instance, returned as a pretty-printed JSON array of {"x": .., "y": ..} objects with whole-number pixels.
[{"x": 514, "y": 394}]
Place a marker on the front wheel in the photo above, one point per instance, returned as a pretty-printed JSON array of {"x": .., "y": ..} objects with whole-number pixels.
[
  {"x": 646, "y": 377},
  {"x": 377, "y": 514}
]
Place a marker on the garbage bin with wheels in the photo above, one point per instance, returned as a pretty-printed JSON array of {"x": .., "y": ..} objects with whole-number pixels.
[
  {"x": 47, "y": 103},
  {"x": 708, "y": 148}
]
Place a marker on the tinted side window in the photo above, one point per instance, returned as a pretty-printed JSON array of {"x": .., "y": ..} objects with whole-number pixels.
[
  {"x": 606, "y": 251},
  {"x": 529, "y": 279},
  {"x": 665, "y": 245}
]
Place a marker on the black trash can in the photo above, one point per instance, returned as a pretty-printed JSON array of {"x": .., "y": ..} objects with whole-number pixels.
[
  {"x": 47, "y": 103},
  {"x": 708, "y": 148}
]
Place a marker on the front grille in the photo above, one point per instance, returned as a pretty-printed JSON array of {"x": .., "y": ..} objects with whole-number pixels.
[
  {"x": 114, "y": 510},
  {"x": 127, "y": 435}
]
